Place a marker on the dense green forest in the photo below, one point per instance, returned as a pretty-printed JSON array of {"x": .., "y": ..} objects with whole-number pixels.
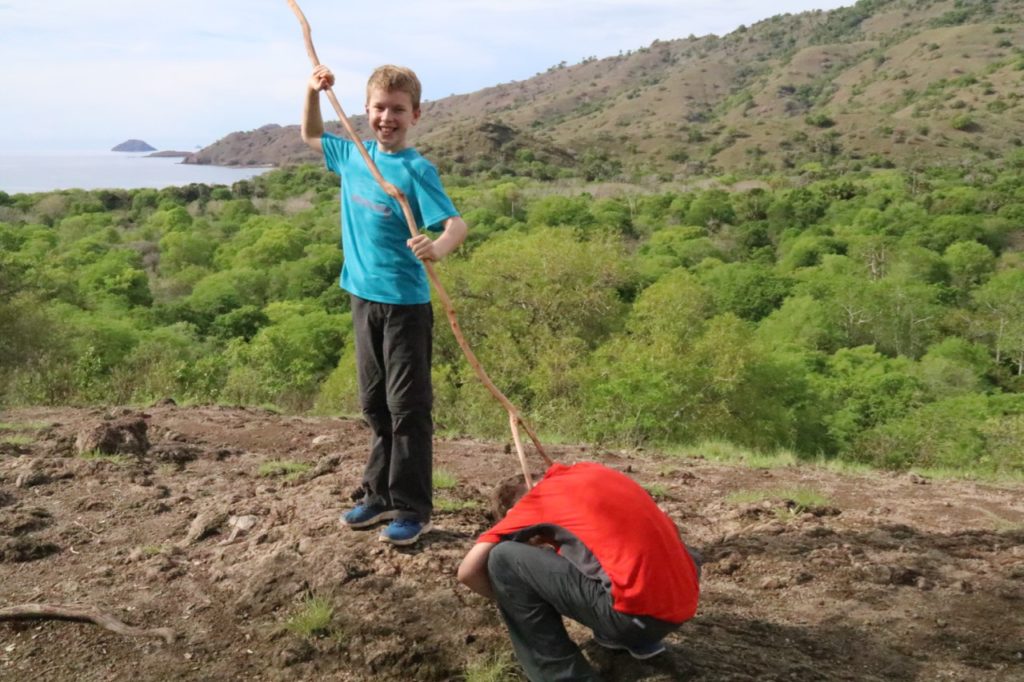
[{"x": 876, "y": 318}]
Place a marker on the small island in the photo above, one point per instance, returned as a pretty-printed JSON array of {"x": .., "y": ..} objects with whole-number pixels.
[{"x": 133, "y": 146}]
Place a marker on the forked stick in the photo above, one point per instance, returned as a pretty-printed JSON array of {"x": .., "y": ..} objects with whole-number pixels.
[
  {"x": 82, "y": 614},
  {"x": 514, "y": 419}
]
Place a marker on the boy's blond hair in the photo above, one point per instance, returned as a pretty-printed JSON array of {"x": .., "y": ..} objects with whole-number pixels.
[{"x": 390, "y": 78}]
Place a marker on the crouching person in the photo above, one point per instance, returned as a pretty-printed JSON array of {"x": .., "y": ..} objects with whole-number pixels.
[{"x": 586, "y": 542}]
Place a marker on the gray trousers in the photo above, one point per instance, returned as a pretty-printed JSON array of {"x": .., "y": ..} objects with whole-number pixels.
[
  {"x": 534, "y": 588},
  {"x": 393, "y": 356}
]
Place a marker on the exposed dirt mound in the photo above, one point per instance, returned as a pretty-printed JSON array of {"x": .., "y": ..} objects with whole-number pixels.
[{"x": 894, "y": 578}]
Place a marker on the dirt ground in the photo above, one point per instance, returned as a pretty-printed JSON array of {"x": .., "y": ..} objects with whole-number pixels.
[{"x": 896, "y": 578}]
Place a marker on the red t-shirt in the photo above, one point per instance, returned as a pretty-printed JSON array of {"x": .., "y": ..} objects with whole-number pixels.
[{"x": 637, "y": 545}]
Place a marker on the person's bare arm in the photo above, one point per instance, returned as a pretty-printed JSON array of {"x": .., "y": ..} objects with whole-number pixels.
[
  {"x": 473, "y": 569},
  {"x": 312, "y": 128},
  {"x": 425, "y": 248}
]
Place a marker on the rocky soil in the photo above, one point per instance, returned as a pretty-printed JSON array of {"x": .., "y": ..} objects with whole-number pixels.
[{"x": 196, "y": 524}]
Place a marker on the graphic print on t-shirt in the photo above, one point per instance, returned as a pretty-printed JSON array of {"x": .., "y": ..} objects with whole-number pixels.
[{"x": 379, "y": 209}]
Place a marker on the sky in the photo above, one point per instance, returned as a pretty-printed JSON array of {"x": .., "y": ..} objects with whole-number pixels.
[{"x": 181, "y": 74}]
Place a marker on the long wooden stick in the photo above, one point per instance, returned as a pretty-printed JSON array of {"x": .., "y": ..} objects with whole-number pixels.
[
  {"x": 82, "y": 614},
  {"x": 515, "y": 420}
]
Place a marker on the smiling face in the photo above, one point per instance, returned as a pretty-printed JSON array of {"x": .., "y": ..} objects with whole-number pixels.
[{"x": 391, "y": 114}]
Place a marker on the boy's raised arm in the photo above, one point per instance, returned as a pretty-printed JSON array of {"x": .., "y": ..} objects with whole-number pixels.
[{"x": 312, "y": 128}]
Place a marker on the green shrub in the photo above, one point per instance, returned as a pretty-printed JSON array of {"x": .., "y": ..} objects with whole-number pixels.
[
  {"x": 969, "y": 433},
  {"x": 819, "y": 120},
  {"x": 339, "y": 392},
  {"x": 287, "y": 359},
  {"x": 963, "y": 122}
]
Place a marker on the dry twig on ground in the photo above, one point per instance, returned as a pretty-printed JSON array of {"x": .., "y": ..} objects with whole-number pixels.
[{"x": 82, "y": 614}]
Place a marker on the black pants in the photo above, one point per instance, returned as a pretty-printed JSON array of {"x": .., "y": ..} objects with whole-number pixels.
[
  {"x": 534, "y": 588},
  {"x": 393, "y": 356}
]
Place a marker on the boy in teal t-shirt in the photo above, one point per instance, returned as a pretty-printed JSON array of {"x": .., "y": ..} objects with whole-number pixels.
[{"x": 391, "y": 311}]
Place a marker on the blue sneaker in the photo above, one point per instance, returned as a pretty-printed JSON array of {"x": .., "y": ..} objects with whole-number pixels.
[
  {"x": 403, "y": 532},
  {"x": 640, "y": 652},
  {"x": 366, "y": 515}
]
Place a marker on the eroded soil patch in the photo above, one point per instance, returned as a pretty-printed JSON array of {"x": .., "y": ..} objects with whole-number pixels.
[{"x": 896, "y": 578}]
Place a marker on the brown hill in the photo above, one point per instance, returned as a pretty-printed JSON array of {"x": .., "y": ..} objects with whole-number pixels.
[
  {"x": 269, "y": 145},
  {"x": 882, "y": 82}
]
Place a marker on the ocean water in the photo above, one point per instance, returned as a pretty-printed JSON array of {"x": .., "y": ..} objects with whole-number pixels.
[{"x": 43, "y": 172}]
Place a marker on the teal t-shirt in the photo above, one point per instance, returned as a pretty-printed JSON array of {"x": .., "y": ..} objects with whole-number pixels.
[{"x": 378, "y": 265}]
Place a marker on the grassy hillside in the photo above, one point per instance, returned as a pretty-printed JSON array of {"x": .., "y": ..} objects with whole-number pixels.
[{"x": 881, "y": 83}]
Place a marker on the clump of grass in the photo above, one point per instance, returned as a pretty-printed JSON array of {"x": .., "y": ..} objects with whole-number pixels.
[
  {"x": 720, "y": 451},
  {"x": 802, "y": 498},
  {"x": 444, "y": 480},
  {"x": 16, "y": 439},
  {"x": 96, "y": 455},
  {"x": 166, "y": 469},
  {"x": 748, "y": 496},
  {"x": 498, "y": 667},
  {"x": 656, "y": 490},
  {"x": 843, "y": 466},
  {"x": 289, "y": 469},
  {"x": 967, "y": 474},
  {"x": 805, "y": 498},
  {"x": 447, "y": 504},
  {"x": 313, "y": 619},
  {"x": 30, "y": 426}
]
